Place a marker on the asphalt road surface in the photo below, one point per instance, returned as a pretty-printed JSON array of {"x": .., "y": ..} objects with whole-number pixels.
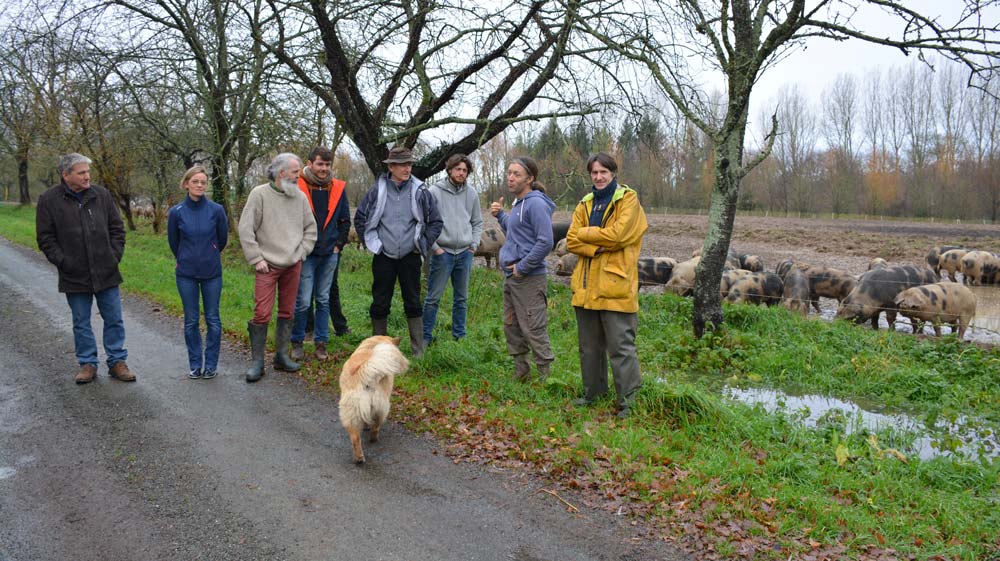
[{"x": 171, "y": 468}]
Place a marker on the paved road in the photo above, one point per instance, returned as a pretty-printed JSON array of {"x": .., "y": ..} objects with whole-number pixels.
[{"x": 169, "y": 468}]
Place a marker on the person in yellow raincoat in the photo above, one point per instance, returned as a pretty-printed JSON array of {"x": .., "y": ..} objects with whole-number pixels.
[{"x": 606, "y": 234}]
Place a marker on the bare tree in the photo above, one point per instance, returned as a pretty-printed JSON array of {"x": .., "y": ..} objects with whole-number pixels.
[
  {"x": 740, "y": 38},
  {"x": 390, "y": 72},
  {"x": 794, "y": 148},
  {"x": 917, "y": 101},
  {"x": 840, "y": 107}
]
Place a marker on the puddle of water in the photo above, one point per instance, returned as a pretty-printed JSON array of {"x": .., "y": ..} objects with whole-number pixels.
[
  {"x": 6, "y": 472},
  {"x": 961, "y": 437}
]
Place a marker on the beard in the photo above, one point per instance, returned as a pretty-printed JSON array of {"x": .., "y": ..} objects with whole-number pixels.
[{"x": 289, "y": 185}]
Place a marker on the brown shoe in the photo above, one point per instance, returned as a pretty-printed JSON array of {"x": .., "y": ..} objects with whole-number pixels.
[
  {"x": 86, "y": 374},
  {"x": 321, "y": 351},
  {"x": 121, "y": 372}
]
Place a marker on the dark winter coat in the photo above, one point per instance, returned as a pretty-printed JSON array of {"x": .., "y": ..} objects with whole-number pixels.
[{"x": 84, "y": 240}]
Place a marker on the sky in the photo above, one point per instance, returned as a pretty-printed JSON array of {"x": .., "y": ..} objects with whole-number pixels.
[{"x": 816, "y": 66}]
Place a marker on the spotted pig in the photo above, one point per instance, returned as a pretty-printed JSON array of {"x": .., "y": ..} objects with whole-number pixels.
[
  {"x": 828, "y": 282},
  {"x": 951, "y": 262},
  {"x": 656, "y": 270},
  {"x": 934, "y": 256},
  {"x": 682, "y": 278},
  {"x": 981, "y": 267},
  {"x": 559, "y": 230},
  {"x": 751, "y": 262},
  {"x": 876, "y": 292},
  {"x": 943, "y": 302},
  {"x": 757, "y": 288},
  {"x": 729, "y": 278},
  {"x": 795, "y": 294}
]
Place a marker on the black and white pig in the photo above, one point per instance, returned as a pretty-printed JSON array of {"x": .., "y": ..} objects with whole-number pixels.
[{"x": 876, "y": 292}]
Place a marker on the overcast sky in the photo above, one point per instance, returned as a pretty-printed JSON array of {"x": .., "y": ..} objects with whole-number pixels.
[{"x": 814, "y": 67}]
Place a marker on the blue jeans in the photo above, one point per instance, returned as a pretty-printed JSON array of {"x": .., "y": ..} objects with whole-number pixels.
[
  {"x": 211, "y": 292},
  {"x": 457, "y": 267},
  {"x": 315, "y": 282},
  {"x": 109, "y": 304}
]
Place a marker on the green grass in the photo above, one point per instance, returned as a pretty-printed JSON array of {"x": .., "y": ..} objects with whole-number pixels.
[{"x": 751, "y": 483}]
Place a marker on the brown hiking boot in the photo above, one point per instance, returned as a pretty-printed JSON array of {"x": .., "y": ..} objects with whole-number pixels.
[
  {"x": 86, "y": 374},
  {"x": 321, "y": 351},
  {"x": 121, "y": 372}
]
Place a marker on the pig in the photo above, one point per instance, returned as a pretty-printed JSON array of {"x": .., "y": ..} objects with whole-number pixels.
[
  {"x": 732, "y": 260},
  {"x": 750, "y": 262},
  {"x": 564, "y": 267},
  {"x": 943, "y": 302},
  {"x": 934, "y": 256},
  {"x": 757, "y": 288},
  {"x": 795, "y": 294},
  {"x": 981, "y": 267},
  {"x": 877, "y": 263},
  {"x": 876, "y": 292},
  {"x": 829, "y": 283},
  {"x": 656, "y": 270},
  {"x": 560, "y": 248},
  {"x": 559, "y": 230},
  {"x": 682, "y": 277},
  {"x": 951, "y": 262},
  {"x": 729, "y": 278},
  {"x": 783, "y": 267},
  {"x": 490, "y": 242}
]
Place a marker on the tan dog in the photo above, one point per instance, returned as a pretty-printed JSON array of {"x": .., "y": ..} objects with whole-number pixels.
[{"x": 365, "y": 386}]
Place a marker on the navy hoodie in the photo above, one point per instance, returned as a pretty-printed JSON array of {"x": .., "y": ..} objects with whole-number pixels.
[
  {"x": 198, "y": 232},
  {"x": 528, "y": 228}
]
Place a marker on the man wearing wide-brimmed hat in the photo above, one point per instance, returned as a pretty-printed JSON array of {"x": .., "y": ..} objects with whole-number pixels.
[{"x": 398, "y": 221}]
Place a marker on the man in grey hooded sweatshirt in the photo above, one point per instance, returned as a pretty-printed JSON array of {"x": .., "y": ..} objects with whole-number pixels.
[{"x": 451, "y": 256}]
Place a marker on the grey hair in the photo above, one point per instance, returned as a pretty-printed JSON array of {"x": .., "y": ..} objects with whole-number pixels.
[
  {"x": 68, "y": 161},
  {"x": 280, "y": 163}
]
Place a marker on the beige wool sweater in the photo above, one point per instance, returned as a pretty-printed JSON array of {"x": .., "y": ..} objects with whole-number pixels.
[{"x": 277, "y": 226}]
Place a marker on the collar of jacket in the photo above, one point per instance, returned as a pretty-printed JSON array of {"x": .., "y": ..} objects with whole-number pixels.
[
  {"x": 67, "y": 192},
  {"x": 619, "y": 193},
  {"x": 191, "y": 203}
]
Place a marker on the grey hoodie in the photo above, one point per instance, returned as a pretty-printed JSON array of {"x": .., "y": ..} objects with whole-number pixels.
[{"x": 463, "y": 219}]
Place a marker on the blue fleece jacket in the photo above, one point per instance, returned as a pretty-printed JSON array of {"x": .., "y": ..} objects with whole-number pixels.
[
  {"x": 198, "y": 232},
  {"x": 528, "y": 228}
]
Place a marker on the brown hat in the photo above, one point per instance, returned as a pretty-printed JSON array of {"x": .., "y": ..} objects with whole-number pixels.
[{"x": 399, "y": 155}]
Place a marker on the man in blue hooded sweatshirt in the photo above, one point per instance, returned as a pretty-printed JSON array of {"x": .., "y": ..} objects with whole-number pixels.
[{"x": 528, "y": 228}]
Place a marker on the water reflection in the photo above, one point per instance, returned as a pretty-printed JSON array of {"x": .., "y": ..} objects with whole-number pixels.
[{"x": 961, "y": 437}]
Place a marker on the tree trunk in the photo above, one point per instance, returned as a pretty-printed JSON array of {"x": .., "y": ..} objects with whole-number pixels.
[
  {"x": 721, "y": 214},
  {"x": 22, "y": 181}
]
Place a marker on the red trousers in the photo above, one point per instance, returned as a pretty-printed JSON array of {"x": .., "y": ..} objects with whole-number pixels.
[{"x": 285, "y": 282}]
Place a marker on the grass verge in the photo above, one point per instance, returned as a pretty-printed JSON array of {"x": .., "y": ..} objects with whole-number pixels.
[{"x": 721, "y": 478}]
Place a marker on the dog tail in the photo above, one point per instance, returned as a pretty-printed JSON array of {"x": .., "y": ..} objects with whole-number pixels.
[{"x": 386, "y": 358}]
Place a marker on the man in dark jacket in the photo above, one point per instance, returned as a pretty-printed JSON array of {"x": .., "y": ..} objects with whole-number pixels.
[
  {"x": 332, "y": 212},
  {"x": 398, "y": 221},
  {"x": 80, "y": 230}
]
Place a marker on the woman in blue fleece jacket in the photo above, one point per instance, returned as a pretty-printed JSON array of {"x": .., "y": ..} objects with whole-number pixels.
[{"x": 198, "y": 230}]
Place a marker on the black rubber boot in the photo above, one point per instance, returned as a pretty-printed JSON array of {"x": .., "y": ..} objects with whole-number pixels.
[
  {"x": 258, "y": 344},
  {"x": 380, "y": 326},
  {"x": 416, "y": 327},
  {"x": 281, "y": 338}
]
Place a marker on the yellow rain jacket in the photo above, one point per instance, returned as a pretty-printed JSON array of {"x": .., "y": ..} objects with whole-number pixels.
[{"x": 606, "y": 276}]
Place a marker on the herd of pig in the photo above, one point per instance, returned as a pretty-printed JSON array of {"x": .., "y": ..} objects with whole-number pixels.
[{"x": 913, "y": 292}]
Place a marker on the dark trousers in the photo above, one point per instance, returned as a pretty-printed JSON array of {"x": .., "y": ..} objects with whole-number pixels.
[
  {"x": 385, "y": 272},
  {"x": 606, "y": 336},
  {"x": 336, "y": 312}
]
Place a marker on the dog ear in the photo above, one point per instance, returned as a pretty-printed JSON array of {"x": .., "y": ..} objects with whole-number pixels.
[{"x": 395, "y": 341}]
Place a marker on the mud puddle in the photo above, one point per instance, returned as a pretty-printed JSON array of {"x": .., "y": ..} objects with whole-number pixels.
[{"x": 964, "y": 437}]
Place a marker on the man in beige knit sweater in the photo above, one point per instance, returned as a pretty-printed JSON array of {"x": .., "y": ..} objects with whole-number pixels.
[{"x": 277, "y": 231}]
